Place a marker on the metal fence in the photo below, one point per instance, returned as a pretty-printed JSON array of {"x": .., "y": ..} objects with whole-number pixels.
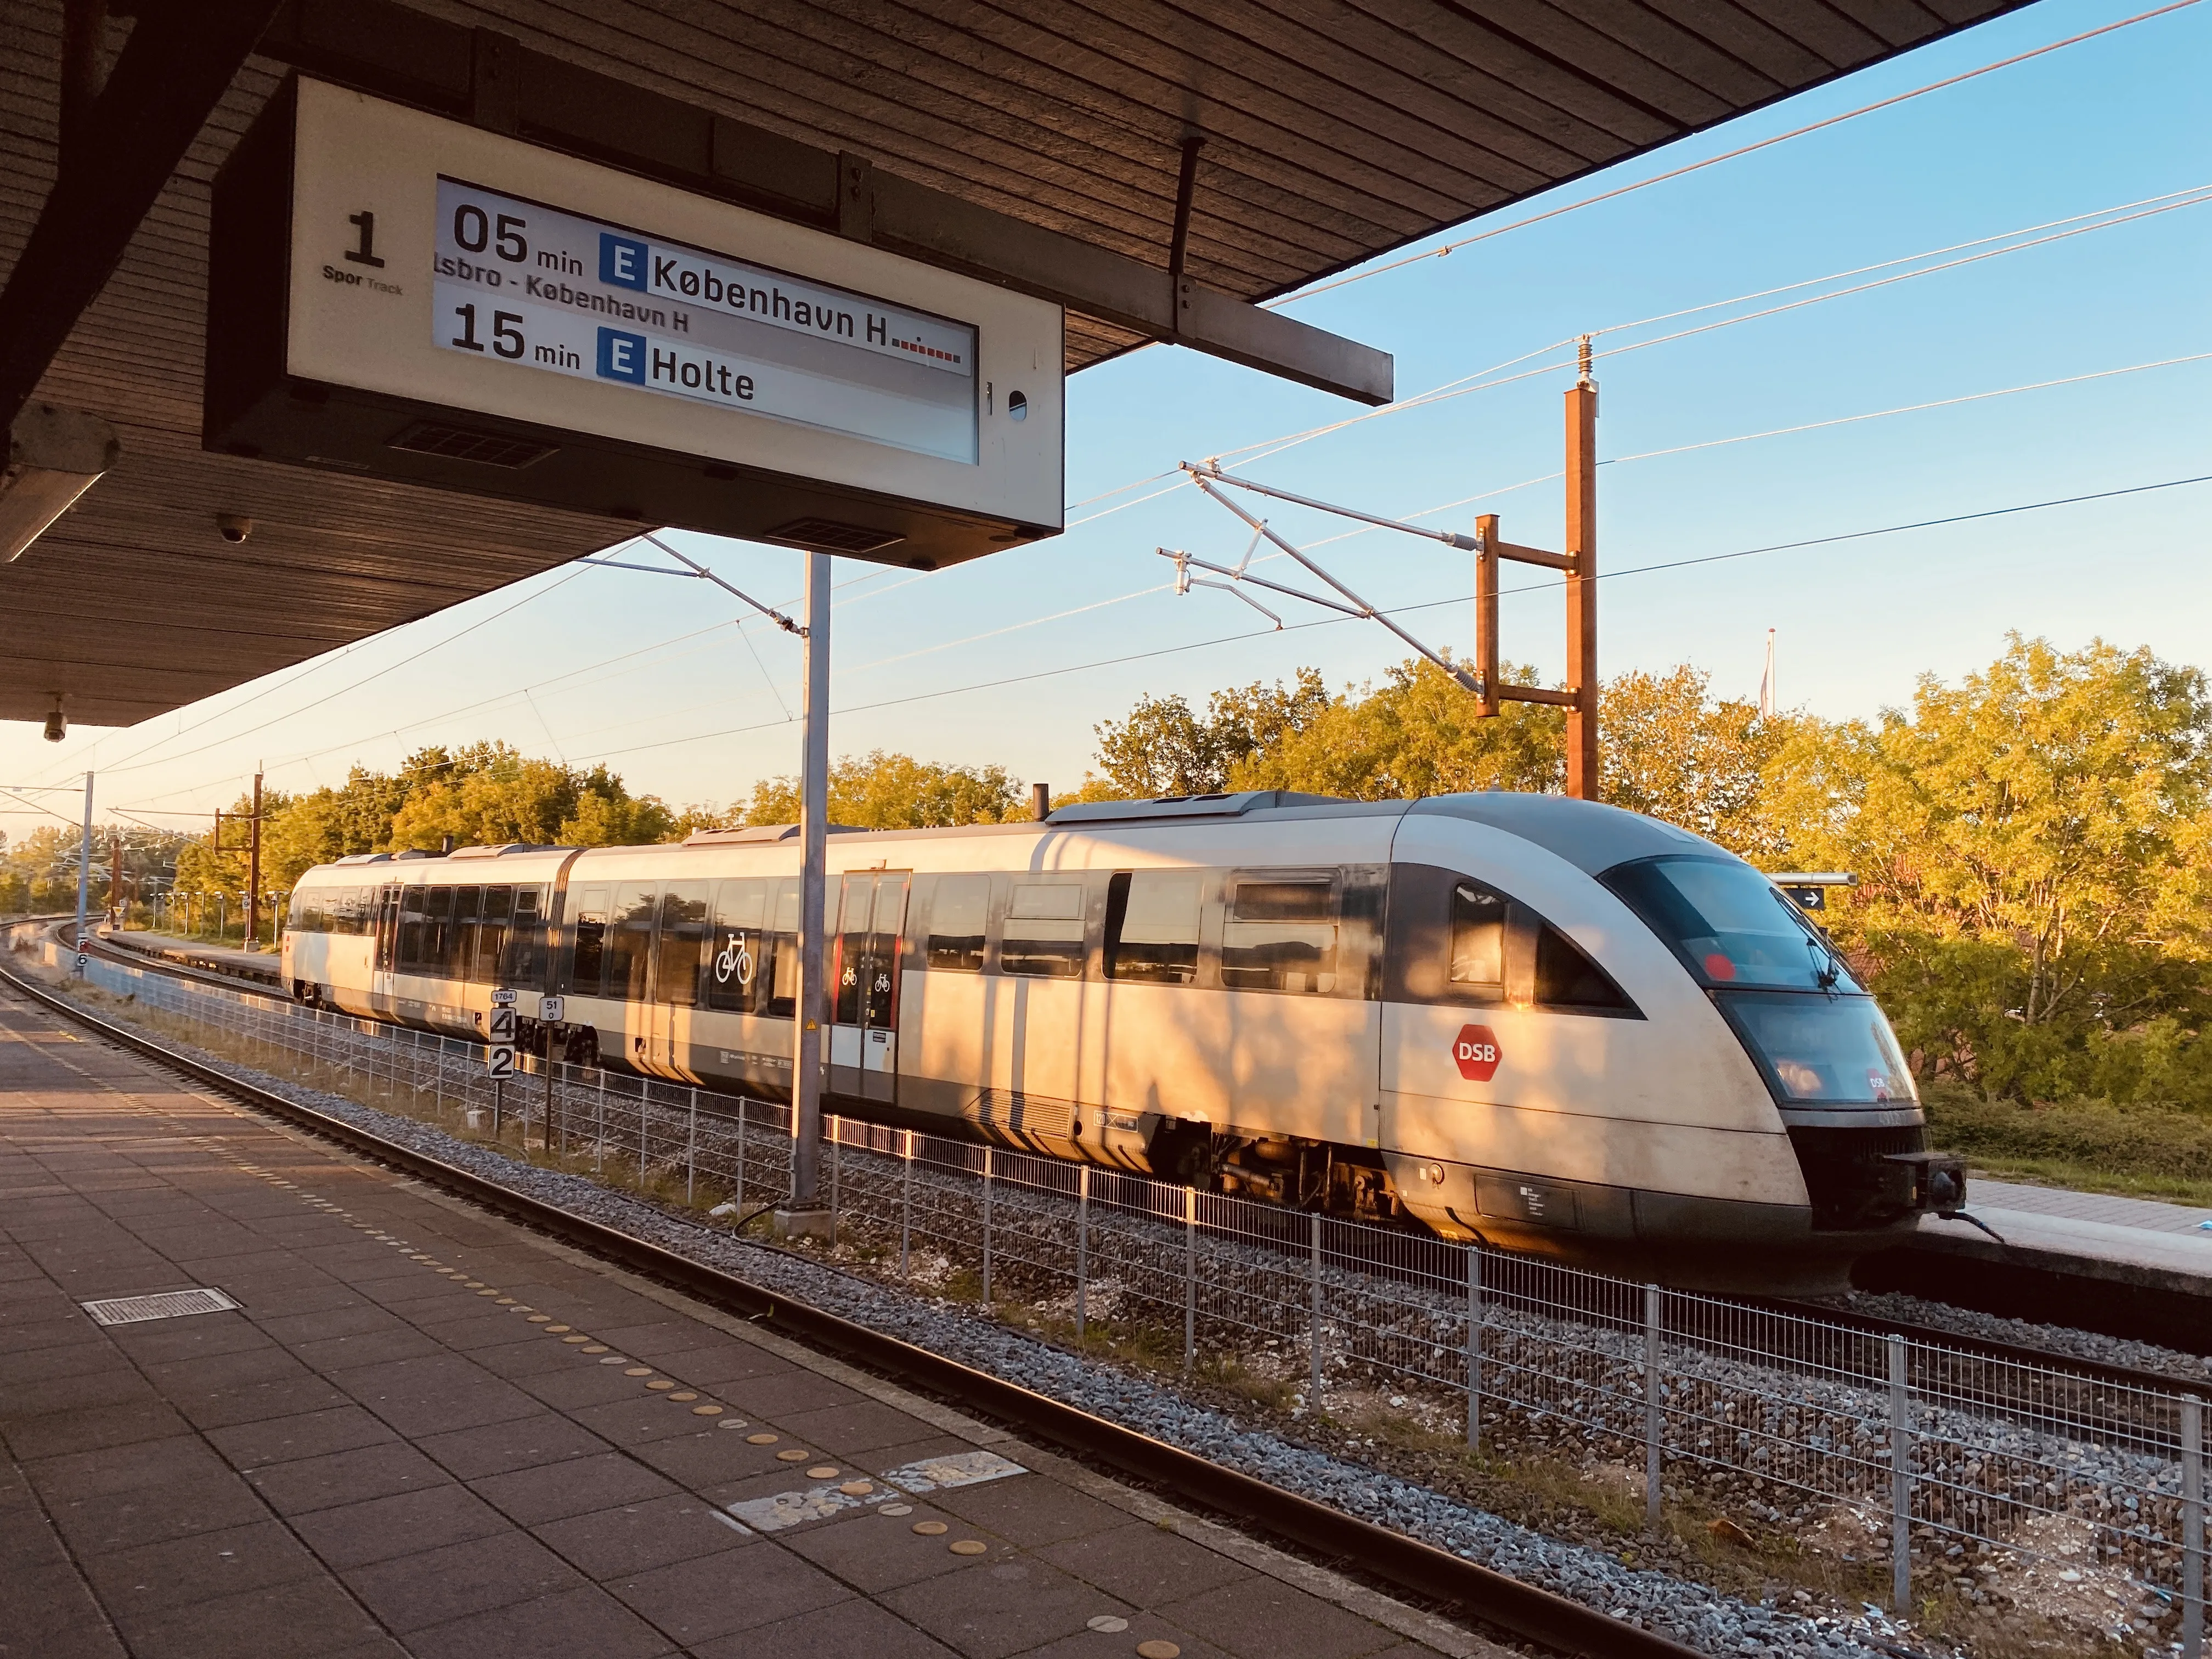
[{"x": 1947, "y": 1460}]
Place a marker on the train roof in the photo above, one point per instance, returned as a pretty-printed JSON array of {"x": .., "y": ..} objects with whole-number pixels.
[{"x": 1589, "y": 834}]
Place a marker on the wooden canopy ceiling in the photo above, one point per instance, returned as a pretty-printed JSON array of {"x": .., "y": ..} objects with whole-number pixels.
[{"x": 1313, "y": 135}]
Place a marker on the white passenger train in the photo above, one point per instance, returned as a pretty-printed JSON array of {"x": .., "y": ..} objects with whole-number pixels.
[{"x": 1552, "y": 1025}]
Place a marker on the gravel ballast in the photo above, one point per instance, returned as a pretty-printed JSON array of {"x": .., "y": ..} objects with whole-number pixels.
[{"x": 1683, "y": 1609}]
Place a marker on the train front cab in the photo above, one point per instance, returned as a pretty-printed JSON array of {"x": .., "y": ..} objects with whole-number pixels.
[{"x": 1728, "y": 1109}]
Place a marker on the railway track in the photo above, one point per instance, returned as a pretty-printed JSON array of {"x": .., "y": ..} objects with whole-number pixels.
[
  {"x": 1523, "y": 1612},
  {"x": 2082, "y": 1369}
]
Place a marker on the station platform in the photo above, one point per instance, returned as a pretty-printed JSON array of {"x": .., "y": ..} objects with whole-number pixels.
[
  {"x": 423, "y": 1430},
  {"x": 262, "y": 965},
  {"x": 2158, "y": 1237},
  {"x": 2130, "y": 1267}
]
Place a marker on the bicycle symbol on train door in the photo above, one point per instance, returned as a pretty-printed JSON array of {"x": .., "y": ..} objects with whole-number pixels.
[{"x": 735, "y": 959}]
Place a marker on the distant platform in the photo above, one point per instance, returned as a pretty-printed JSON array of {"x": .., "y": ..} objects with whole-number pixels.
[
  {"x": 264, "y": 967},
  {"x": 259, "y": 1397},
  {"x": 2144, "y": 1232},
  {"x": 2127, "y": 1267}
]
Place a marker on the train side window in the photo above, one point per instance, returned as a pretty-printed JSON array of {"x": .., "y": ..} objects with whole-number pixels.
[
  {"x": 629, "y": 941},
  {"x": 1565, "y": 978},
  {"x": 1281, "y": 934},
  {"x": 437, "y": 922},
  {"x": 737, "y": 948},
  {"x": 1043, "y": 935},
  {"x": 783, "y": 942},
  {"x": 1478, "y": 938},
  {"x": 683, "y": 943},
  {"x": 959, "y": 912},
  {"x": 461, "y": 936},
  {"x": 589, "y": 962},
  {"x": 491, "y": 933},
  {"x": 1151, "y": 926},
  {"x": 410, "y": 928},
  {"x": 525, "y": 953}
]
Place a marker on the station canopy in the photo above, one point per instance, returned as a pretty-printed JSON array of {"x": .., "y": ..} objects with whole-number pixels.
[{"x": 1156, "y": 168}]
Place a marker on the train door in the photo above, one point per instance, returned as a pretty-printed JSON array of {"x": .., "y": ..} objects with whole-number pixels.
[
  {"x": 381, "y": 994},
  {"x": 864, "y": 976},
  {"x": 678, "y": 951}
]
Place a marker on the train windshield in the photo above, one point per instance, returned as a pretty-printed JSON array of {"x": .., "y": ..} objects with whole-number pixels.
[
  {"x": 1730, "y": 925},
  {"x": 1821, "y": 1051}
]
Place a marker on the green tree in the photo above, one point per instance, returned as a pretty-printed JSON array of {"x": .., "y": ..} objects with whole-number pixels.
[
  {"x": 1415, "y": 734},
  {"x": 2032, "y": 848},
  {"x": 1164, "y": 748},
  {"x": 1668, "y": 748},
  {"x": 886, "y": 790}
]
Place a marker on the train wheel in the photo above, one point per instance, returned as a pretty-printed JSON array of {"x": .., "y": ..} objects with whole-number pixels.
[{"x": 582, "y": 1048}]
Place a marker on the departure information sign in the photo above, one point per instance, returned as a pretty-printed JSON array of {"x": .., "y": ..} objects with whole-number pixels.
[
  {"x": 393, "y": 295},
  {"x": 577, "y": 296}
]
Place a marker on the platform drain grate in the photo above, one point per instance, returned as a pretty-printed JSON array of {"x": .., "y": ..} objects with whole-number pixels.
[{"x": 163, "y": 1304}]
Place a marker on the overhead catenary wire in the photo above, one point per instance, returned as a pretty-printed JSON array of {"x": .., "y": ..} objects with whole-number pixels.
[
  {"x": 1425, "y": 604},
  {"x": 1743, "y": 150},
  {"x": 2116, "y": 214},
  {"x": 2196, "y": 196},
  {"x": 308, "y": 755},
  {"x": 1491, "y": 494}
]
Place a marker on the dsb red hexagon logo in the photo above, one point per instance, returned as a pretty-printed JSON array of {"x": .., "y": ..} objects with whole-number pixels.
[{"x": 1475, "y": 1048}]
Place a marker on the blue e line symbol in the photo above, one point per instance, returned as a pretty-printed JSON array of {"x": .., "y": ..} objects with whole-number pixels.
[
  {"x": 621, "y": 356},
  {"x": 621, "y": 262}
]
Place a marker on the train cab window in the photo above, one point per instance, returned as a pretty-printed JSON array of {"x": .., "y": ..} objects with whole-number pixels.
[
  {"x": 590, "y": 959},
  {"x": 1151, "y": 926},
  {"x": 1044, "y": 934},
  {"x": 959, "y": 911},
  {"x": 737, "y": 949},
  {"x": 683, "y": 943},
  {"x": 524, "y": 962},
  {"x": 491, "y": 933},
  {"x": 1565, "y": 978},
  {"x": 461, "y": 936},
  {"x": 629, "y": 941},
  {"x": 1478, "y": 938},
  {"x": 1281, "y": 934}
]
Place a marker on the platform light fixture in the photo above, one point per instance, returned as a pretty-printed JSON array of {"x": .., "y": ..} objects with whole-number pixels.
[{"x": 54, "y": 455}]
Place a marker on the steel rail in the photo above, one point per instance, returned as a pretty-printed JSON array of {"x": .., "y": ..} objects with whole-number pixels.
[
  {"x": 1935, "y": 1336},
  {"x": 1490, "y": 1597}
]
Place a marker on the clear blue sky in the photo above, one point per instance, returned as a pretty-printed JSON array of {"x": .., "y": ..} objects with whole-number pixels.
[{"x": 2115, "y": 121}]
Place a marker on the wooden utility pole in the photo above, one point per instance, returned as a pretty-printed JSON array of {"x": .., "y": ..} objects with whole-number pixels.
[
  {"x": 1578, "y": 563},
  {"x": 1583, "y": 781},
  {"x": 253, "y": 870},
  {"x": 115, "y": 875}
]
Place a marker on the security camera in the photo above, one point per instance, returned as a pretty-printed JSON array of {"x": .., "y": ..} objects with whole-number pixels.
[
  {"x": 56, "y": 723},
  {"x": 235, "y": 526}
]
